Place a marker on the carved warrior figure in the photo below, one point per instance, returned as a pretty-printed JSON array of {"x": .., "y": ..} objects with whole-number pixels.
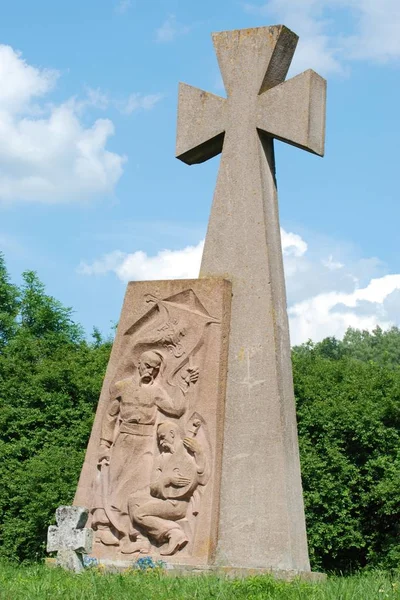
[
  {"x": 127, "y": 441},
  {"x": 179, "y": 470},
  {"x": 160, "y": 349}
]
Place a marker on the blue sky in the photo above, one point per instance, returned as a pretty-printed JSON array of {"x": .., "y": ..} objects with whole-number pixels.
[{"x": 92, "y": 196}]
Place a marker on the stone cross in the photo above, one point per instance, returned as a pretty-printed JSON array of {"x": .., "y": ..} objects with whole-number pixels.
[
  {"x": 261, "y": 521},
  {"x": 70, "y": 539}
]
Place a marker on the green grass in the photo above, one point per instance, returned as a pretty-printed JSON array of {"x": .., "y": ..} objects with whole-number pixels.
[{"x": 38, "y": 582}]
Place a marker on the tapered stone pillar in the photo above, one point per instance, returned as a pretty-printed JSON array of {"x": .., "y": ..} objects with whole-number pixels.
[{"x": 261, "y": 519}]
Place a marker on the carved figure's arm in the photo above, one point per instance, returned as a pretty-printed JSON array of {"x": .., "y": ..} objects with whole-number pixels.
[
  {"x": 190, "y": 376},
  {"x": 172, "y": 408},
  {"x": 108, "y": 425},
  {"x": 194, "y": 448},
  {"x": 156, "y": 484}
]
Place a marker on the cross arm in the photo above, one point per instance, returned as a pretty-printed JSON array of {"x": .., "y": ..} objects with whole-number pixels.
[
  {"x": 201, "y": 125},
  {"x": 80, "y": 540},
  {"x": 294, "y": 112}
]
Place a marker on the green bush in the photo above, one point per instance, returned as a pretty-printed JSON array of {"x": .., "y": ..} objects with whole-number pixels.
[
  {"x": 349, "y": 433},
  {"x": 50, "y": 378}
]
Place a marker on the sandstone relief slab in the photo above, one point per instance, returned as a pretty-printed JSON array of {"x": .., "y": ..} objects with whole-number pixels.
[{"x": 151, "y": 477}]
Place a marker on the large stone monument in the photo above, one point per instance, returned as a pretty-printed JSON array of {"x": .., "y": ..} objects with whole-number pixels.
[{"x": 193, "y": 455}]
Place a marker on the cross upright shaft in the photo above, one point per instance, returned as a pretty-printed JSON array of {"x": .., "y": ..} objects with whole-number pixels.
[{"x": 261, "y": 521}]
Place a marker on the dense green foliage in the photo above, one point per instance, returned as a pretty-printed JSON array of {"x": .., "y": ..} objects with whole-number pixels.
[
  {"x": 49, "y": 383},
  {"x": 38, "y": 583},
  {"x": 348, "y": 404}
]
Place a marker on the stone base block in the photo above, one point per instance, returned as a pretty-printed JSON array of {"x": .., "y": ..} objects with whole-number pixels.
[
  {"x": 242, "y": 572},
  {"x": 175, "y": 570}
]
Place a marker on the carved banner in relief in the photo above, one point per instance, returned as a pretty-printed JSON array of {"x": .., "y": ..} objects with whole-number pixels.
[{"x": 151, "y": 475}]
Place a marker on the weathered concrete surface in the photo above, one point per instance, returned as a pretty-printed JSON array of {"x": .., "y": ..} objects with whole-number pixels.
[
  {"x": 261, "y": 521},
  {"x": 70, "y": 561},
  {"x": 70, "y": 538}
]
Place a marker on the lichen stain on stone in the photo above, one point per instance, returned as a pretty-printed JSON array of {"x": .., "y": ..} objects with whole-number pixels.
[
  {"x": 205, "y": 546},
  {"x": 241, "y": 354}
]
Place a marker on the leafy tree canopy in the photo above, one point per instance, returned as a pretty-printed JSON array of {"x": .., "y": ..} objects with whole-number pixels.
[
  {"x": 348, "y": 407},
  {"x": 50, "y": 378}
]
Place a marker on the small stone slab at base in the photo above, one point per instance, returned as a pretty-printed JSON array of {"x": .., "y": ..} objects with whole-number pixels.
[
  {"x": 69, "y": 560},
  {"x": 70, "y": 539}
]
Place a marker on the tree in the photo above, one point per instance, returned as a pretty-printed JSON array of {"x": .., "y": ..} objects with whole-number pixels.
[
  {"x": 50, "y": 378},
  {"x": 382, "y": 347},
  {"x": 9, "y": 305},
  {"x": 349, "y": 429}
]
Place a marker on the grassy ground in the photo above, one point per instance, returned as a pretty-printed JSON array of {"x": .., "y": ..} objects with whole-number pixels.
[{"x": 40, "y": 583}]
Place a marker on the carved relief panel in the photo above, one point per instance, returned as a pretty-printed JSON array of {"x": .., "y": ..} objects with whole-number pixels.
[{"x": 152, "y": 470}]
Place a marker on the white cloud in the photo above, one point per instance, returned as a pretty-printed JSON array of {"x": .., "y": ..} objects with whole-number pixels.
[
  {"x": 167, "y": 264},
  {"x": 331, "y": 264},
  {"x": 329, "y": 287},
  {"x": 46, "y": 153},
  {"x": 138, "y": 101},
  {"x": 170, "y": 30},
  {"x": 20, "y": 82},
  {"x": 109, "y": 262},
  {"x": 96, "y": 98},
  {"x": 377, "y": 32},
  {"x": 330, "y": 314},
  {"x": 333, "y": 32},
  {"x": 327, "y": 295},
  {"x": 293, "y": 244}
]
